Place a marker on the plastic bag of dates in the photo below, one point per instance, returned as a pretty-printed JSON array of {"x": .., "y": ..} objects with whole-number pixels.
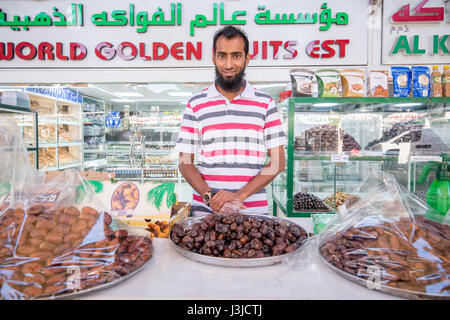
[
  {"x": 56, "y": 239},
  {"x": 390, "y": 241},
  {"x": 52, "y": 244}
]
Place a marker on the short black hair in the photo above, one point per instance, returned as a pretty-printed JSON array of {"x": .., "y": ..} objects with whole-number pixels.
[{"x": 230, "y": 32}]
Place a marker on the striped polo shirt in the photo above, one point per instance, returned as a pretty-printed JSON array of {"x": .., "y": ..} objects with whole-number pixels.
[{"x": 230, "y": 140}]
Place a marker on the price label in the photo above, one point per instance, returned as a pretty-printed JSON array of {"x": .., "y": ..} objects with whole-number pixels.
[
  {"x": 339, "y": 158},
  {"x": 425, "y": 158}
]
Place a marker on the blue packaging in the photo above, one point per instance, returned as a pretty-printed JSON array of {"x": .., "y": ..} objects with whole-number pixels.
[
  {"x": 401, "y": 80},
  {"x": 421, "y": 81}
]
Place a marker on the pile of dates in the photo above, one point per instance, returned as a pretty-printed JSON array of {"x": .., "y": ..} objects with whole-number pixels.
[
  {"x": 47, "y": 252},
  {"x": 409, "y": 254},
  {"x": 239, "y": 236},
  {"x": 325, "y": 138},
  {"x": 306, "y": 201},
  {"x": 397, "y": 129}
]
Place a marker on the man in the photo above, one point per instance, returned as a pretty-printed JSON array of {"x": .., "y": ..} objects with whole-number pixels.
[{"x": 232, "y": 126}]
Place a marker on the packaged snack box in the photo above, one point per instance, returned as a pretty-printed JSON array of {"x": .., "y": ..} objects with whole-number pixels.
[
  {"x": 401, "y": 81},
  {"x": 421, "y": 81},
  {"x": 302, "y": 80},
  {"x": 328, "y": 82},
  {"x": 352, "y": 82},
  {"x": 378, "y": 83}
]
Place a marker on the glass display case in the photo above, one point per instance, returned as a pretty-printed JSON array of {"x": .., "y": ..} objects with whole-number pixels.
[
  {"x": 27, "y": 120},
  {"x": 93, "y": 114},
  {"x": 59, "y": 131},
  {"x": 334, "y": 144},
  {"x": 142, "y": 146}
]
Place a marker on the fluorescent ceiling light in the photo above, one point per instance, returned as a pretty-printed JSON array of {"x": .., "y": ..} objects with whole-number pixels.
[
  {"x": 410, "y": 104},
  {"x": 101, "y": 89},
  {"x": 121, "y": 100},
  {"x": 325, "y": 104},
  {"x": 161, "y": 87},
  {"x": 6, "y": 90},
  {"x": 129, "y": 94},
  {"x": 179, "y": 93}
]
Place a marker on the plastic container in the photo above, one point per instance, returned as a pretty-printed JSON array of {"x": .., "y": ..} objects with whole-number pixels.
[
  {"x": 438, "y": 194},
  {"x": 446, "y": 81},
  {"x": 436, "y": 82}
]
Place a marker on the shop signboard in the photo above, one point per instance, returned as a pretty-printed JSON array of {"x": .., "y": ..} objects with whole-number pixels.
[
  {"x": 416, "y": 32},
  {"x": 149, "y": 34}
]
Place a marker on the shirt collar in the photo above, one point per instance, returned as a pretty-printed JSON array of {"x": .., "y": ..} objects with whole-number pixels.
[{"x": 249, "y": 91}]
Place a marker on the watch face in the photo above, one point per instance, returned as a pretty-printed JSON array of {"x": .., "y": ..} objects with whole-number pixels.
[{"x": 207, "y": 197}]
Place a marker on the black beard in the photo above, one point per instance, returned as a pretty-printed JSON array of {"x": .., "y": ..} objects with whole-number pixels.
[{"x": 232, "y": 85}]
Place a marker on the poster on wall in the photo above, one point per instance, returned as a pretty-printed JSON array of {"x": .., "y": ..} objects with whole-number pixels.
[
  {"x": 140, "y": 34},
  {"x": 416, "y": 32}
]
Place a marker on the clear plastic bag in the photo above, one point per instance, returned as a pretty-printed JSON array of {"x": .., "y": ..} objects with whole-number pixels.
[
  {"x": 389, "y": 238},
  {"x": 231, "y": 207},
  {"x": 57, "y": 239},
  {"x": 15, "y": 167}
]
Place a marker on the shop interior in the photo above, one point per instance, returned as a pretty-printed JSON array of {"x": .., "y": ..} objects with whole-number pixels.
[{"x": 76, "y": 127}]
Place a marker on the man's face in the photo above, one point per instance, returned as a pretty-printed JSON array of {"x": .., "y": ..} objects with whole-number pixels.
[{"x": 230, "y": 61}]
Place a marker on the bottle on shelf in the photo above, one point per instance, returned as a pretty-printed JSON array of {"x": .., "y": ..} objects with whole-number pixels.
[
  {"x": 436, "y": 82},
  {"x": 446, "y": 81}
]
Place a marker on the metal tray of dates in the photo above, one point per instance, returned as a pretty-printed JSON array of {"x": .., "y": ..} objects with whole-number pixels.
[
  {"x": 380, "y": 287},
  {"x": 238, "y": 262},
  {"x": 76, "y": 294},
  {"x": 116, "y": 224}
]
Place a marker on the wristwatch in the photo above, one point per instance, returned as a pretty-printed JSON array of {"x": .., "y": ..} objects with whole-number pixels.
[{"x": 207, "y": 196}]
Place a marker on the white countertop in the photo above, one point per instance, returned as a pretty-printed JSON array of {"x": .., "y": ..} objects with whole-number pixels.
[{"x": 169, "y": 275}]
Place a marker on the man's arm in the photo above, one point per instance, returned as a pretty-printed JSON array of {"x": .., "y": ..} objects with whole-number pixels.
[
  {"x": 268, "y": 173},
  {"x": 191, "y": 174}
]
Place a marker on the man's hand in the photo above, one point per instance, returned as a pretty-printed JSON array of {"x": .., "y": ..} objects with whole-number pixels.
[{"x": 222, "y": 197}]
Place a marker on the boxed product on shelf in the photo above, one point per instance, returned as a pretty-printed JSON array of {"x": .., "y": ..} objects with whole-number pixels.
[
  {"x": 378, "y": 83},
  {"x": 328, "y": 82},
  {"x": 402, "y": 77},
  {"x": 302, "y": 82},
  {"x": 421, "y": 81},
  {"x": 352, "y": 82}
]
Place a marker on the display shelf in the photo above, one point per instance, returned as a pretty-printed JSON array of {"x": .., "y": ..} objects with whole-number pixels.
[
  {"x": 93, "y": 119},
  {"x": 344, "y": 103},
  {"x": 69, "y": 165},
  {"x": 60, "y": 135},
  {"x": 299, "y": 156},
  {"x": 154, "y": 153},
  {"x": 365, "y": 120},
  {"x": 27, "y": 121},
  {"x": 59, "y": 144}
]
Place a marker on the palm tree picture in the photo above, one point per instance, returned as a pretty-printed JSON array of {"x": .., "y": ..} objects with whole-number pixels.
[
  {"x": 156, "y": 195},
  {"x": 5, "y": 188},
  {"x": 85, "y": 186}
]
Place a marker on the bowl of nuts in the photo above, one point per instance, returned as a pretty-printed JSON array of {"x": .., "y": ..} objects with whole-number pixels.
[{"x": 237, "y": 240}]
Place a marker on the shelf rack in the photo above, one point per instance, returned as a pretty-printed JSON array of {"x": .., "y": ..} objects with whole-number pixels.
[{"x": 290, "y": 106}]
